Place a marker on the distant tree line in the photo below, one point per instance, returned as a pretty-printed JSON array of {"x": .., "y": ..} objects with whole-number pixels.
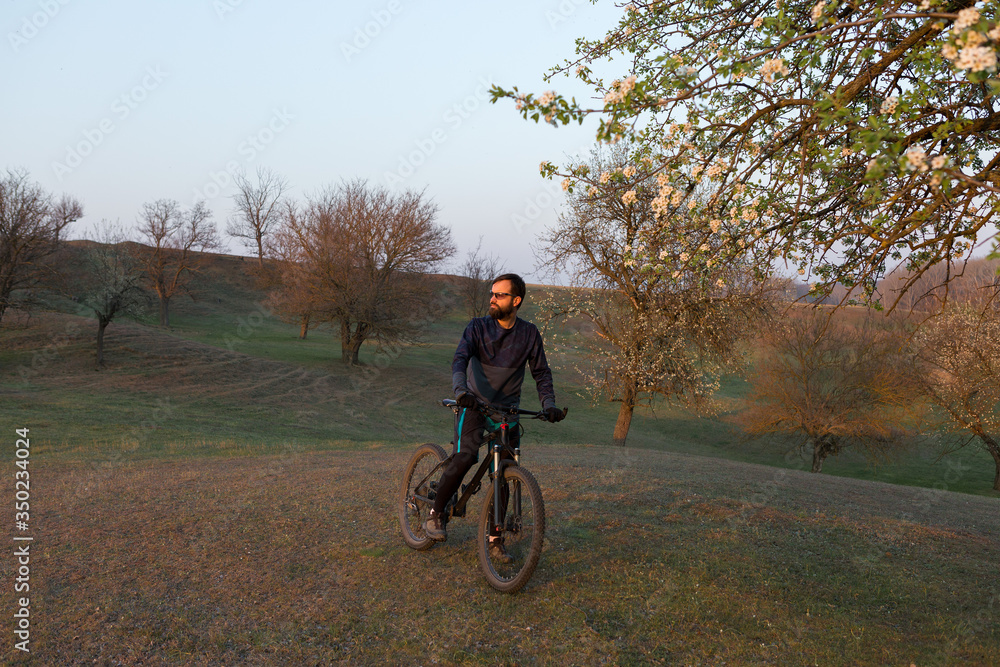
[{"x": 352, "y": 255}]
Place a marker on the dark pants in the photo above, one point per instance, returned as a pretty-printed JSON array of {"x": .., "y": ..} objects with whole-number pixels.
[{"x": 471, "y": 428}]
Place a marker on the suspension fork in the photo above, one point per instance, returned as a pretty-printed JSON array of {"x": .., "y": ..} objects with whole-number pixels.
[
  {"x": 516, "y": 491},
  {"x": 497, "y": 478}
]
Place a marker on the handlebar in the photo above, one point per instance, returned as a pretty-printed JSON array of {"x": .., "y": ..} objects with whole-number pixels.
[{"x": 486, "y": 408}]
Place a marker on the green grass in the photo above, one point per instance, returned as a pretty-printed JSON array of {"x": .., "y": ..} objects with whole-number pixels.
[{"x": 250, "y": 379}]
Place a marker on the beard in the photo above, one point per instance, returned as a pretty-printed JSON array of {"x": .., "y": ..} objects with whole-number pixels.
[{"x": 498, "y": 312}]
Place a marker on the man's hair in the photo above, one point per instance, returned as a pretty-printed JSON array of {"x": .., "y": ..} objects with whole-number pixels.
[{"x": 515, "y": 280}]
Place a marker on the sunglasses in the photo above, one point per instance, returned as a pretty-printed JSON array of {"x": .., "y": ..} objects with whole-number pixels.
[{"x": 499, "y": 295}]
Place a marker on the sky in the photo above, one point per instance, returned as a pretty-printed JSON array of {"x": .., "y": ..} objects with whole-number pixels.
[{"x": 121, "y": 103}]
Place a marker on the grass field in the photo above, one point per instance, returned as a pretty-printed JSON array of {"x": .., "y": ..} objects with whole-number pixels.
[
  {"x": 651, "y": 558},
  {"x": 223, "y": 494}
]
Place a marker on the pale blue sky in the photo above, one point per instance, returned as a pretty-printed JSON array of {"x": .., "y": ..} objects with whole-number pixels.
[{"x": 164, "y": 97}]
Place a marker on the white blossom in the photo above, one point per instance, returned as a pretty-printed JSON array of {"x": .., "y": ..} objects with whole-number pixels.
[
  {"x": 966, "y": 19},
  {"x": 817, "y": 11},
  {"x": 977, "y": 58},
  {"x": 772, "y": 67}
]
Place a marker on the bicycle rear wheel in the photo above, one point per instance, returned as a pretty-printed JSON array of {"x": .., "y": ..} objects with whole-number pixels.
[
  {"x": 417, "y": 492},
  {"x": 522, "y": 533}
]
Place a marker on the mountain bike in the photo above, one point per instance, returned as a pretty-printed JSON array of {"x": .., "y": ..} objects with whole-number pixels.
[{"x": 521, "y": 518}]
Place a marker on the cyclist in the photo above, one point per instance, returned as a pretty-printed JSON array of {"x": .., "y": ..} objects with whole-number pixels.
[{"x": 489, "y": 366}]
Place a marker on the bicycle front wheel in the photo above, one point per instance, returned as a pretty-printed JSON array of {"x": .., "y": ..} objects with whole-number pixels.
[
  {"x": 417, "y": 492},
  {"x": 522, "y": 532}
]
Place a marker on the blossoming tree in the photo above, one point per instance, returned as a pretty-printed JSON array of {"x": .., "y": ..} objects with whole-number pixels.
[
  {"x": 666, "y": 321},
  {"x": 959, "y": 353},
  {"x": 842, "y": 137}
]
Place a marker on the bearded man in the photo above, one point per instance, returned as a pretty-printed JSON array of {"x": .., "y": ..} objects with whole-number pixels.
[{"x": 489, "y": 369}]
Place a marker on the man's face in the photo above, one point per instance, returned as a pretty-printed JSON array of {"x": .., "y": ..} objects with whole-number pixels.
[{"x": 502, "y": 307}]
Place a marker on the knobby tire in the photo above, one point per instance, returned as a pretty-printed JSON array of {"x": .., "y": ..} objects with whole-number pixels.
[
  {"x": 523, "y": 540},
  {"x": 412, "y": 513}
]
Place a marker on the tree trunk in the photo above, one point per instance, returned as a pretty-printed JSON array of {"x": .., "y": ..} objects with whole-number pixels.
[
  {"x": 624, "y": 416},
  {"x": 819, "y": 453},
  {"x": 345, "y": 343},
  {"x": 305, "y": 327},
  {"x": 994, "y": 449},
  {"x": 350, "y": 342},
  {"x": 996, "y": 474},
  {"x": 355, "y": 348},
  {"x": 102, "y": 324},
  {"x": 823, "y": 446},
  {"x": 165, "y": 311}
]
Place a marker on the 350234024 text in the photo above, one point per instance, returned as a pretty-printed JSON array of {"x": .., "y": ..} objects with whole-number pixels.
[{"x": 22, "y": 541}]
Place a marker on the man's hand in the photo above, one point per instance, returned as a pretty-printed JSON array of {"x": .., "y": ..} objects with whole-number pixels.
[
  {"x": 466, "y": 400},
  {"x": 554, "y": 414}
]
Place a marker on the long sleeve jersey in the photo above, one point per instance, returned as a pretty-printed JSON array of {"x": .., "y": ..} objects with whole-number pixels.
[{"x": 489, "y": 362}]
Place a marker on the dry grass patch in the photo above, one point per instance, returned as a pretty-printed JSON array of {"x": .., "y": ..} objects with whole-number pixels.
[{"x": 297, "y": 559}]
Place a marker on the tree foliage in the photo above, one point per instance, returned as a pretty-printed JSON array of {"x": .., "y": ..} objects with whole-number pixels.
[
  {"x": 30, "y": 225},
  {"x": 959, "y": 358},
  {"x": 668, "y": 320},
  {"x": 843, "y": 137},
  {"x": 356, "y": 255},
  {"x": 834, "y": 385}
]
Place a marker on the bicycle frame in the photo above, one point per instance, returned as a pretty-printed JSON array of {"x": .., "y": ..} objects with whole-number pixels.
[{"x": 497, "y": 442}]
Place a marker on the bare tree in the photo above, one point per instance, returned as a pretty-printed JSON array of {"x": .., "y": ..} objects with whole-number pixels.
[
  {"x": 258, "y": 208},
  {"x": 177, "y": 242},
  {"x": 30, "y": 226},
  {"x": 667, "y": 322},
  {"x": 296, "y": 296},
  {"x": 64, "y": 211},
  {"x": 958, "y": 354},
  {"x": 111, "y": 279},
  {"x": 836, "y": 385},
  {"x": 479, "y": 272},
  {"x": 971, "y": 282},
  {"x": 364, "y": 252}
]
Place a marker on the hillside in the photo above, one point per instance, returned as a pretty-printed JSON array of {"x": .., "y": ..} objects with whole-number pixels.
[
  {"x": 228, "y": 370},
  {"x": 223, "y": 493}
]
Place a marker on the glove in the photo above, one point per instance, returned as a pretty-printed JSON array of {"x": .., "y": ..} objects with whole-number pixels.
[
  {"x": 466, "y": 400},
  {"x": 554, "y": 414}
]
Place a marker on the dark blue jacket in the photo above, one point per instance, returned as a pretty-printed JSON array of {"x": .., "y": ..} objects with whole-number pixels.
[{"x": 489, "y": 362}]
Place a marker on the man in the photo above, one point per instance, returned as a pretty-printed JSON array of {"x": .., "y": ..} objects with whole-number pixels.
[{"x": 489, "y": 367}]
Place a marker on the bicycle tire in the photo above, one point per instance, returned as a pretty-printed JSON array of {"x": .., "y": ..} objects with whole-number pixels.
[
  {"x": 522, "y": 537},
  {"x": 413, "y": 512}
]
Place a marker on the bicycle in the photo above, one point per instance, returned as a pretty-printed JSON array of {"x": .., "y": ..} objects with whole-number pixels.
[{"x": 523, "y": 526}]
